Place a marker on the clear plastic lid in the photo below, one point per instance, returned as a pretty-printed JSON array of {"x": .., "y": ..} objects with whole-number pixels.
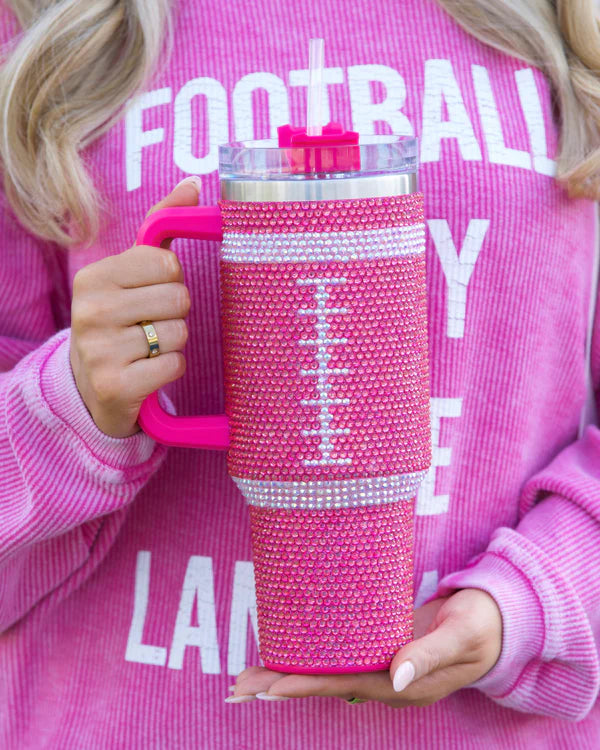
[{"x": 265, "y": 160}]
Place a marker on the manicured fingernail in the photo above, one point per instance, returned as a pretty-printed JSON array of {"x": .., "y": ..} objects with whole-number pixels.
[
  {"x": 405, "y": 674},
  {"x": 267, "y": 697},
  {"x": 240, "y": 698},
  {"x": 191, "y": 179}
]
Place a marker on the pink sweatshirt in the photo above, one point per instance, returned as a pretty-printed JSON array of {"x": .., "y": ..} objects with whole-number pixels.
[{"x": 127, "y": 603}]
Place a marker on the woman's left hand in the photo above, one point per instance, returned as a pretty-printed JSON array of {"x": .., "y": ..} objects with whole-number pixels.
[{"x": 458, "y": 640}]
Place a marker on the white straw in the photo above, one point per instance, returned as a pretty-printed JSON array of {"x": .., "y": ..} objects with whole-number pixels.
[{"x": 314, "y": 123}]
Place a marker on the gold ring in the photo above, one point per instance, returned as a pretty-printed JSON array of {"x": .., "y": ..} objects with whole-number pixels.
[
  {"x": 355, "y": 700},
  {"x": 152, "y": 338}
]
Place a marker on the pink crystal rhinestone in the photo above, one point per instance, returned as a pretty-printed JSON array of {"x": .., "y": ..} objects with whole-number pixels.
[
  {"x": 379, "y": 376},
  {"x": 327, "y": 392},
  {"x": 315, "y": 216},
  {"x": 333, "y": 586}
]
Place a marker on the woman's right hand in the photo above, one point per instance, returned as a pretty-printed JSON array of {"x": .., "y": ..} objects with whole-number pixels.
[{"x": 109, "y": 350}]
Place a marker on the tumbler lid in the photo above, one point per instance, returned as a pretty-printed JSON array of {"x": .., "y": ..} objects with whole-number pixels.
[
  {"x": 300, "y": 158},
  {"x": 333, "y": 150}
]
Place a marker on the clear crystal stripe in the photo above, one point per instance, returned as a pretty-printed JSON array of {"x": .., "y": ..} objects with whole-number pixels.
[
  {"x": 319, "y": 494},
  {"x": 388, "y": 242}
]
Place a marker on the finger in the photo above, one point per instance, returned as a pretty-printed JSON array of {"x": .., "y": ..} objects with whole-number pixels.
[
  {"x": 103, "y": 310},
  {"x": 144, "y": 265},
  {"x": 425, "y": 617},
  {"x": 250, "y": 671},
  {"x": 143, "y": 377},
  {"x": 441, "y": 648},
  {"x": 172, "y": 336},
  {"x": 366, "y": 685},
  {"x": 157, "y": 302},
  {"x": 256, "y": 680},
  {"x": 185, "y": 193},
  {"x": 140, "y": 265},
  {"x": 437, "y": 685}
]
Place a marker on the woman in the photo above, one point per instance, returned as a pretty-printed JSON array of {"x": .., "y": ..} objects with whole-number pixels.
[{"x": 127, "y": 586}]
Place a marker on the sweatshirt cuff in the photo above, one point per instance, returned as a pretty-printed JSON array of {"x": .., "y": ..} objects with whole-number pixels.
[
  {"x": 60, "y": 405},
  {"x": 523, "y": 628}
]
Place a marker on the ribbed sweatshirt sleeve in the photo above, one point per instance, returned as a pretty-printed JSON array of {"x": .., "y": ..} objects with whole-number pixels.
[
  {"x": 60, "y": 476},
  {"x": 544, "y": 576}
]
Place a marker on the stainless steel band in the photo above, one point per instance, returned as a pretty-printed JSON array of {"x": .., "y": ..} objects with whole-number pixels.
[{"x": 340, "y": 188}]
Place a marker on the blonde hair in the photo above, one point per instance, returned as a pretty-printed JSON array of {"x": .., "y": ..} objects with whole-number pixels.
[
  {"x": 561, "y": 38},
  {"x": 64, "y": 84},
  {"x": 69, "y": 75}
]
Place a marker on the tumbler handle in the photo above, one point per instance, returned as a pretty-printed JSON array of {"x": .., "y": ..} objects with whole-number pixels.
[{"x": 201, "y": 223}]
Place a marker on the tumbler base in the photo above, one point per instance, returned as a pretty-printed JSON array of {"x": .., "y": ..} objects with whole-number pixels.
[
  {"x": 333, "y": 587},
  {"x": 293, "y": 669}
]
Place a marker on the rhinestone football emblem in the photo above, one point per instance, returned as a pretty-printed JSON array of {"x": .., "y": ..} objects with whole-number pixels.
[{"x": 327, "y": 394}]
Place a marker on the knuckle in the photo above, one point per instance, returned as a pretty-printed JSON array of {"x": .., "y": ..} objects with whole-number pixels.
[
  {"x": 183, "y": 301},
  {"x": 130, "y": 255},
  {"x": 83, "y": 313},
  {"x": 170, "y": 265},
  {"x": 182, "y": 333},
  {"x": 88, "y": 352},
  {"x": 88, "y": 309},
  {"x": 432, "y": 659},
  {"x": 100, "y": 309},
  {"x": 476, "y": 640},
  {"x": 180, "y": 365},
  {"x": 88, "y": 275},
  {"x": 176, "y": 365},
  {"x": 80, "y": 281},
  {"x": 172, "y": 367},
  {"x": 147, "y": 257},
  {"x": 130, "y": 259},
  {"x": 87, "y": 278},
  {"x": 105, "y": 385},
  {"x": 78, "y": 354}
]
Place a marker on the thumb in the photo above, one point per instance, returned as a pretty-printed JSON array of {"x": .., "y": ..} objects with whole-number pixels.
[
  {"x": 185, "y": 193},
  {"x": 440, "y": 648}
]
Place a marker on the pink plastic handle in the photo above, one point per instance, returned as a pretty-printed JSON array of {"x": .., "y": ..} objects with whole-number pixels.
[{"x": 201, "y": 223}]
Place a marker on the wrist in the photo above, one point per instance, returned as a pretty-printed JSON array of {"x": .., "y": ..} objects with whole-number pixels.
[
  {"x": 63, "y": 408},
  {"x": 521, "y": 617}
]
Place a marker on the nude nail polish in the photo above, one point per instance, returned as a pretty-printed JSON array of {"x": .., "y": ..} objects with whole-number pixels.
[
  {"x": 404, "y": 675},
  {"x": 193, "y": 179},
  {"x": 240, "y": 698}
]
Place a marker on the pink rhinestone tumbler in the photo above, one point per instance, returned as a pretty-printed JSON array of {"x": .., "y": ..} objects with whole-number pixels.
[{"x": 327, "y": 408}]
